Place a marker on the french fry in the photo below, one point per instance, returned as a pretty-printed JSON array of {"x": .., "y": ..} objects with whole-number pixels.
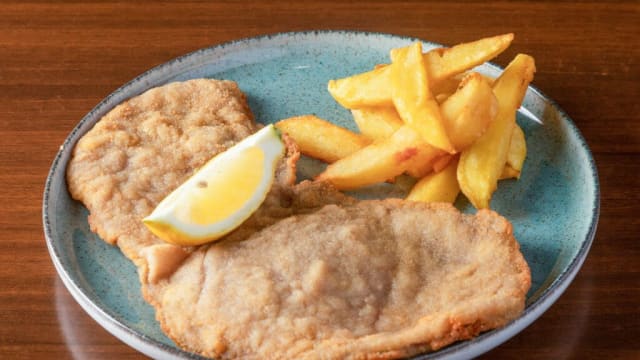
[
  {"x": 440, "y": 186},
  {"x": 468, "y": 112},
  {"x": 377, "y": 123},
  {"x": 516, "y": 155},
  {"x": 481, "y": 165},
  {"x": 321, "y": 139},
  {"x": 366, "y": 89},
  {"x": 371, "y": 88},
  {"x": 446, "y": 62},
  {"x": 379, "y": 161},
  {"x": 412, "y": 98}
]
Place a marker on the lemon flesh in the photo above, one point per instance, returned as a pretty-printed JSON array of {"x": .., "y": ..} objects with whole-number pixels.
[{"x": 221, "y": 194}]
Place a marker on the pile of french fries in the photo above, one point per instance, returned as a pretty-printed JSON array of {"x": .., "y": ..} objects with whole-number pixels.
[{"x": 429, "y": 116}]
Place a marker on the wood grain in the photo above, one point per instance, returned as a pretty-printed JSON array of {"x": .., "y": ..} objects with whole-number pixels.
[{"x": 59, "y": 59}]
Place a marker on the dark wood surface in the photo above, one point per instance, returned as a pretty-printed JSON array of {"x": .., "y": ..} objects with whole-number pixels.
[{"x": 59, "y": 59}]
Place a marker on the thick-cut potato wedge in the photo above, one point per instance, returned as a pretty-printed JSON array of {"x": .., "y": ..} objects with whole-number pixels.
[
  {"x": 412, "y": 97},
  {"x": 321, "y": 139},
  {"x": 437, "y": 187},
  {"x": 377, "y": 123},
  {"x": 516, "y": 155},
  {"x": 446, "y": 62},
  {"x": 371, "y": 88},
  {"x": 481, "y": 165},
  {"x": 379, "y": 161},
  {"x": 468, "y": 112},
  {"x": 362, "y": 90}
]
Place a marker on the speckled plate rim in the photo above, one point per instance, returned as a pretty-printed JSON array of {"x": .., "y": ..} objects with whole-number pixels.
[{"x": 185, "y": 63}]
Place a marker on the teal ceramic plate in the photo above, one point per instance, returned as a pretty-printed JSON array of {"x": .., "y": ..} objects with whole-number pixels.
[{"x": 554, "y": 207}]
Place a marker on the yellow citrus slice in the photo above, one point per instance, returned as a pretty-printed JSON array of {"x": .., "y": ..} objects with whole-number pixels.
[{"x": 220, "y": 195}]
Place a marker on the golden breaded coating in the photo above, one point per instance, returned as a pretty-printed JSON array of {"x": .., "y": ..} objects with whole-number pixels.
[
  {"x": 371, "y": 279},
  {"x": 146, "y": 147}
]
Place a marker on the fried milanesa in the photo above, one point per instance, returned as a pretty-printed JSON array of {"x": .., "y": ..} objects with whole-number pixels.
[
  {"x": 373, "y": 279},
  {"x": 147, "y": 146},
  {"x": 312, "y": 273}
]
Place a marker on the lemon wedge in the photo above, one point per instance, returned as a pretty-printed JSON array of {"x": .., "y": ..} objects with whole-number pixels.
[{"x": 220, "y": 195}]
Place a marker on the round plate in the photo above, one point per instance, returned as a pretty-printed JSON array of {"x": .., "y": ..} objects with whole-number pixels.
[{"x": 554, "y": 207}]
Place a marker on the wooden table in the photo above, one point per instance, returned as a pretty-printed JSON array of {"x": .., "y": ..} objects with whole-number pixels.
[{"x": 59, "y": 60}]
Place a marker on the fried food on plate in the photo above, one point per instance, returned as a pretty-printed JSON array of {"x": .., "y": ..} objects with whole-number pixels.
[
  {"x": 357, "y": 280},
  {"x": 377, "y": 123},
  {"x": 322, "y": 139},
  {"x": 440, "y": 186},
  {"x": 372, "y": 88},
  {"x": 451, "y": 108},
  {"x": 380, "y": 161},
  {"x": 483, "y": 162},
  {"x": 146, "y": 147},
  {"x": 468, "y": 112},
  {"x": 312, "y": 272}
]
